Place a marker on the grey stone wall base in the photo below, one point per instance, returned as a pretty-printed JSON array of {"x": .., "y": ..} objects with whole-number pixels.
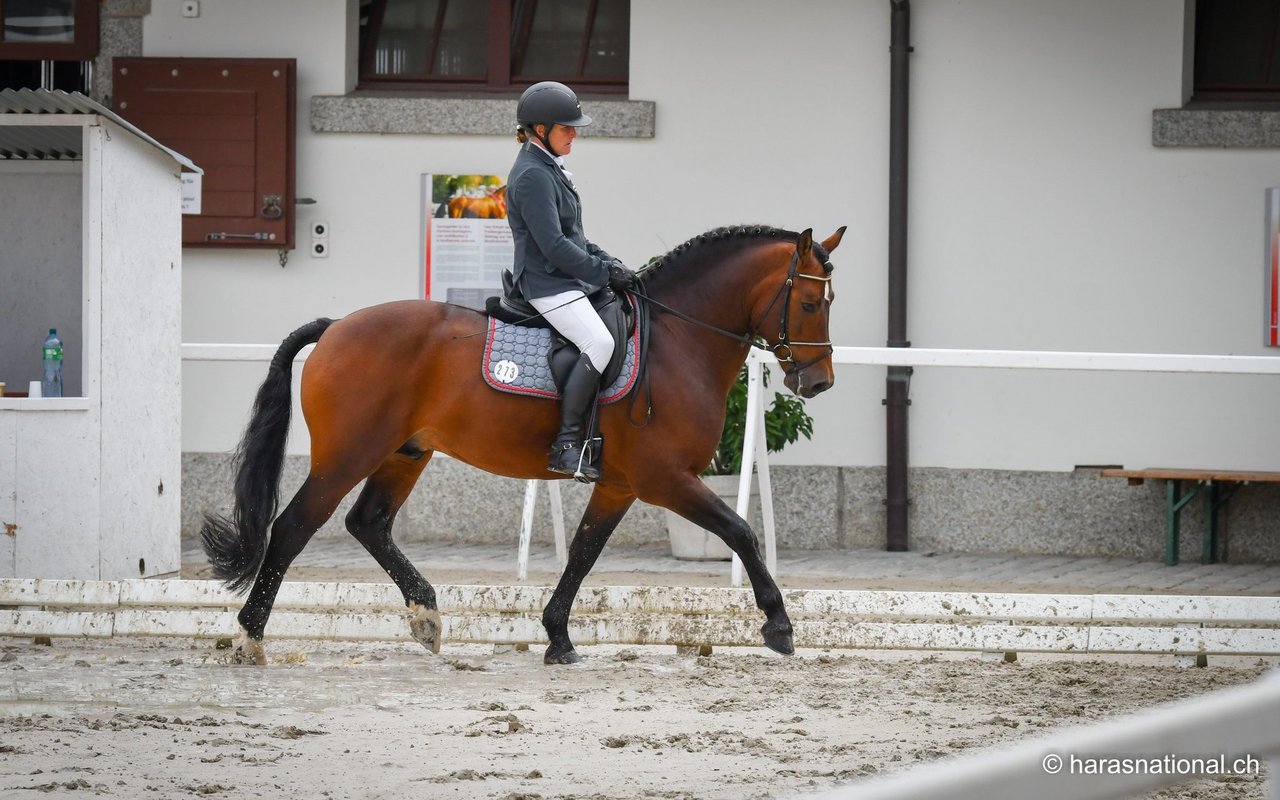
[{"x": 1076, "y": 513}]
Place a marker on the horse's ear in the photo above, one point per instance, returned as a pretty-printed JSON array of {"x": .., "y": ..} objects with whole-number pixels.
[
  {"x": 805, "y": 243},
  {"x": 833, "y": 241}
]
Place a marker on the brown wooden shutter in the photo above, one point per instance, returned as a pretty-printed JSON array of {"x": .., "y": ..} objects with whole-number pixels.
[{"x": 234, "y": 117}]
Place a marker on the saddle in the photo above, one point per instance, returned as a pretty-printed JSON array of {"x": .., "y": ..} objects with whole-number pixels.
[{"x": 617, "y": 311}]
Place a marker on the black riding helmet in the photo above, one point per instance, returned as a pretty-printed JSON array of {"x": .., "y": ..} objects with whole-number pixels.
[{"x": 549, "y": 103}]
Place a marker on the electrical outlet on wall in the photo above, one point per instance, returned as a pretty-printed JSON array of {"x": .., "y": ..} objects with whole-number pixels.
[
  {"x": 190, "y": 8},
  {"x": 319, "y": 239}
]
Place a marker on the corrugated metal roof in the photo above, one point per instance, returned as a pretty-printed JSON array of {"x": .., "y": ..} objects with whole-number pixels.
[
  {"x": 62, "y": 142},
  {"x": 41, "y": 142}
]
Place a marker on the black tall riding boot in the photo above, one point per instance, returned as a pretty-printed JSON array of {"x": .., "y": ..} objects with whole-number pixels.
[{"x": 568, "y": 448}]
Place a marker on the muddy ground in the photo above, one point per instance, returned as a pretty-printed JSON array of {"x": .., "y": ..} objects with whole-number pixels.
[{"x": 165, "y": 718}]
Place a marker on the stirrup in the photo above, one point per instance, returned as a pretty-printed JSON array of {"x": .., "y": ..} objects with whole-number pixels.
[
  {"x": 583, "y": 471},
  {"x": 587, "y": 471}
]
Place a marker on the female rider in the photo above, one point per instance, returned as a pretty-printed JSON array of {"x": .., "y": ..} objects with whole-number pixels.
[{"x": 555, "y": 266}]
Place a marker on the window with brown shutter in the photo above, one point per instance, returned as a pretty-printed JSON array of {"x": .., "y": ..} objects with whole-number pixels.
[{"x": 235, "y": 118}]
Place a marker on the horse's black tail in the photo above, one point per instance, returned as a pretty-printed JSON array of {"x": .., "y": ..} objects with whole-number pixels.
[{"x": 236, "y": 545}]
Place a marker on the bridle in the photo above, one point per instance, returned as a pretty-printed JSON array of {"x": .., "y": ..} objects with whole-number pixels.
[
  {"x": 784, "y": 343},
  {"x": 783, "y": 349}
]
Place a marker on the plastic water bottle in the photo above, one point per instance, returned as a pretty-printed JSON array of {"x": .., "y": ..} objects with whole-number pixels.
[{"x": 51, "y": 384}]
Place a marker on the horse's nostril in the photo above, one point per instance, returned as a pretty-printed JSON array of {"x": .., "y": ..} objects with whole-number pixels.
[{"x": 820, "y": 387}]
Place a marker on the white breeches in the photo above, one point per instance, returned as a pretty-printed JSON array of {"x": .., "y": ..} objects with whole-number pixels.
[{"x": 571, "y": 314}]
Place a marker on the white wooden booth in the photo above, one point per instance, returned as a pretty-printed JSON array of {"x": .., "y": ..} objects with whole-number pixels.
[{"x": 90, "y": 244}]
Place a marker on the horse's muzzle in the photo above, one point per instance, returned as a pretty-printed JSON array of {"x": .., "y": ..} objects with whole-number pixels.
[
  {"x": 806, "y": 385},
  {"x": 816, "y": 389}
]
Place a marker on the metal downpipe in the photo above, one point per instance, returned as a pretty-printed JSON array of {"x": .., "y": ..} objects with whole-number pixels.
[{"x": 898, "y": 380}]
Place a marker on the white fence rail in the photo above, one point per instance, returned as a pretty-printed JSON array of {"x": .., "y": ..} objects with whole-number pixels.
[
  {"x": 236, "y": 352},
  {"x": 1050, "y": 359},
  {"x": 1233, "y": 731},
  {"x": 909, "y": 357}
]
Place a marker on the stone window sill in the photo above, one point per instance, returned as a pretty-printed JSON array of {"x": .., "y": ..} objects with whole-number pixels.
[
  {"x": 382, "y": 113},
  {"x": 1202, "y": 127}
]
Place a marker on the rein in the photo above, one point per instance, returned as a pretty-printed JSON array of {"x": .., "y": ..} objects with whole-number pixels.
[
  {"x": 751, "y": 338},
  {"x": 737, "y": 337}
]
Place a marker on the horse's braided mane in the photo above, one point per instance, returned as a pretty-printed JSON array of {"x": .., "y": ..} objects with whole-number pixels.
[{"x": 742, "y": 233}]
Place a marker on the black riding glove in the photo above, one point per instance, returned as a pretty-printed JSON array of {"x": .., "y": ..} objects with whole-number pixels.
[{"x": 620, "y": 278}]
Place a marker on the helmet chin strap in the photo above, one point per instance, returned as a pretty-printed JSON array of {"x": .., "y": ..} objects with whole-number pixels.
[{"x": 546, "y": 142}]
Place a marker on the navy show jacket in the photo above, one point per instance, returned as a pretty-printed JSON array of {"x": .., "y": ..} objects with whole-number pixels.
[{"x": 552, "y": 254}]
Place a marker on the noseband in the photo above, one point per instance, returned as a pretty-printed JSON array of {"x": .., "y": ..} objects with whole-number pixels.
[{"x": 783, "y": 348}]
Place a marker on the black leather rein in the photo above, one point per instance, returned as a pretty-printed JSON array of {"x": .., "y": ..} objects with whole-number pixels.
[{"x": 782, "y": 349}]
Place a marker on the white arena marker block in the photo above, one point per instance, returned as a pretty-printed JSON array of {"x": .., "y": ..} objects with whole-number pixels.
[
  {"x": 42, "y": 592},
  {"x": 37, "y": 622},
  {"x": 957, "y": 621}
]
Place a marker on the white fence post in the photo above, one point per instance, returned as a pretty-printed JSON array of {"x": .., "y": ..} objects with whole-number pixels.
[
  {"x": 752, "y": 442},
  {"x": 526, "y": 525},
  {"x": 526, "y": 529}
]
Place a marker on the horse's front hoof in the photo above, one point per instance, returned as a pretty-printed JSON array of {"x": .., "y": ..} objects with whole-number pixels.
[
  {"x": 779, "y": 640},
  {"x": 561, "y": 655},
  {"x": 248, "y": 650},
  {"x": 426, "y": 627}
]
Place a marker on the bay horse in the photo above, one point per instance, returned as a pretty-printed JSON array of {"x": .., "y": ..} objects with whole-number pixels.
[{"x": 391, "y": 384}]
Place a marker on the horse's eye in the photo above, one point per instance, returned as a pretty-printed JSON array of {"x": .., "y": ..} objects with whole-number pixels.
[{"x": 809, "y": 307}]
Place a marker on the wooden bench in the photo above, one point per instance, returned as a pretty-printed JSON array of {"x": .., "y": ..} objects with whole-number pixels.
[{"x": 1218, "y": 487}]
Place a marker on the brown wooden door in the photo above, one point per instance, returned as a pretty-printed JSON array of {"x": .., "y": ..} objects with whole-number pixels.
[{"x": 234, "y": 117}]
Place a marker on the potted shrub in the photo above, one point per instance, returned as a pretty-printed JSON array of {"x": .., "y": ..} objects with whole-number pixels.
[{"x": 784, "y": 423}]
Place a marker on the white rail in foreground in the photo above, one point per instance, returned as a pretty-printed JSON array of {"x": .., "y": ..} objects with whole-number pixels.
[
  {"x": 659, "y": 615},
  {"x": 1233, "y": 731}
]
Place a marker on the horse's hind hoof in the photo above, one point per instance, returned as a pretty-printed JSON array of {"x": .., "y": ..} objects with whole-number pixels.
[
  {"x": 248, "y": 650},
  {"x": 556, "y": 655},
  {"x": 426, "y": 627},
  {"x": 779, "y": 640}
]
